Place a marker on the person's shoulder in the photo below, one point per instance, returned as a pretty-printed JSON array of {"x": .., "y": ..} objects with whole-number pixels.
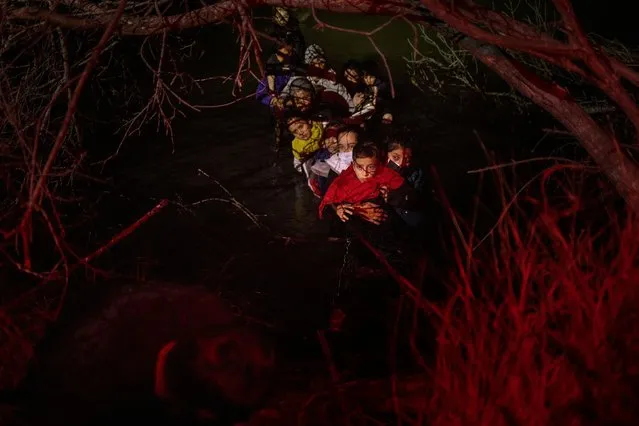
[
  {"x": 346, "y": 175},
  {"x": 387, "y": 173}
]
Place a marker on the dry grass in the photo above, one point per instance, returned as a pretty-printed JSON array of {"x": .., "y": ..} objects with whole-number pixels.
[{"x": 539, "y": 327}]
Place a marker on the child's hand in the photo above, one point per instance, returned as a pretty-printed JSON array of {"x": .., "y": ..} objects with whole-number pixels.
[
  {"x": 371, "y": 212},
  {"x": 344, "y": 211},
  {"x": 277, "y": 102},
  {"x": 383, "y": 191}
]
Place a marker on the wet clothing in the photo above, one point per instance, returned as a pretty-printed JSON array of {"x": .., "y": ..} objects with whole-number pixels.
[
  {"x": 347, "y": 188},
  {"x": 383, "y": 89},
  {"x": 412, "y": 174},
  {"x": 363, "y": 111},
  {"x": 333, "y": 105},
  {"x": 297, "y": 82},
  {"x": 333, "y": 95},
  {"x": 304, "y": 148},
  {"x": 320, "y": 168},
  {"x": 330, "y": 100},
  {"x": 289, "y": 33},
  {"x": 264, "y": 95},
  {"x": 281, "y": 72},
  {"x": 273, "y": 66},
  {"x": 317, "y": 72},
  {"x": 350, "y": 86}
]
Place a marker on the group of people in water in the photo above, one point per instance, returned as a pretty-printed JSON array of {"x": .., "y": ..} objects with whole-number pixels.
[
  {"x": 345, "y": 147},
  {"x": 341, "y": 131},
  {"x": 347, "y": 150}
]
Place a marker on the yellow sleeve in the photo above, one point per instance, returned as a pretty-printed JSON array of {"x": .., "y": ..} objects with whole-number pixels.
[
  {"x": 298, "y": 147},
  {"x": 304, "y": 147}
]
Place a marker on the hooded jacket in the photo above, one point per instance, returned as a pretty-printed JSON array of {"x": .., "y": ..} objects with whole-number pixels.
[
  {"x": 303, "y": 148},
  {"x": 347, "y": 188}
]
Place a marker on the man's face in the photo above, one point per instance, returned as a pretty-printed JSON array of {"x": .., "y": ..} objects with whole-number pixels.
[
  {"x": 300, "y": 128},
  {"x": 347, "y": 141},
  {"x": 365, "y": 168},
  {"x": 302, "y": 99}
]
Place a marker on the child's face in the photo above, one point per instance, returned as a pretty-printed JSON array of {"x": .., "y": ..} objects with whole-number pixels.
[
  {"x": 302, "y": 99},
  {"x": 301, "y": 129},
  {"x": 365, "y": 168},
  {"x": 369, "y": 79},
  {"x": 352, "y": 75},
  {"x": 319, "y": 62},
  {"x": 401, "y": 156},
  {"x": 331, "y": 144},
  {"x": 347, "y": 141},
  {"x": 397, "y": 156}
]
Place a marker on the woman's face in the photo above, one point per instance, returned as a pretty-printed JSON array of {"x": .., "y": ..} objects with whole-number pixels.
[
  {"x": 365, "y": 168},
  {"x": 300, "y": 128},
  {"x": 352, "y": 75},
  {"x": 302, "y": 99},
  {"x": 347, "y": 141}
]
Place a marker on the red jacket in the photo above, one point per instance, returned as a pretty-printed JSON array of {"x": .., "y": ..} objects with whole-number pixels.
[{"x": 347, "y": 188}]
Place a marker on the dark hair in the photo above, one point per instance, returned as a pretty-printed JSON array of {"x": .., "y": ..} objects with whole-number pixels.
[
  {"x": 335, "y": 124},
  {"x": 370, "y": 67},
  {"x": 394, "y": 144},
  {"x": 365, "y": 149},
  {"x": 290, "y": 111},
  {"x": 302, "y": 83},
  {"x": 351, "y": 64},
  {"x": 281, "y": 44},
  {"x": 396, "y": 139},
  {"x": 293, "y": 114},
  {"x": 348, "y": 129}
]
